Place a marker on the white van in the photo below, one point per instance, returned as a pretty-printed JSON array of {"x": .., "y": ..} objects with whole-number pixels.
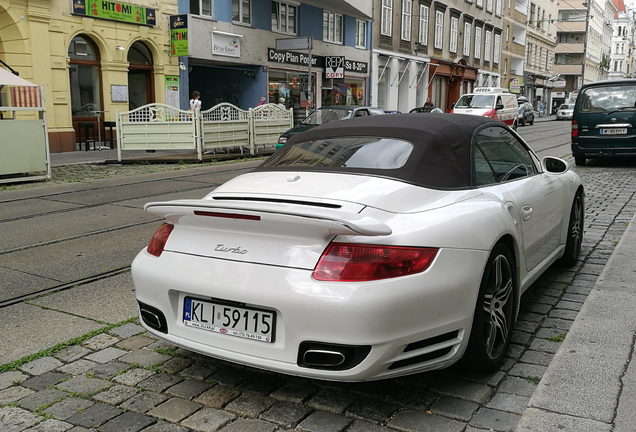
[{"x": 493, "y": 102}]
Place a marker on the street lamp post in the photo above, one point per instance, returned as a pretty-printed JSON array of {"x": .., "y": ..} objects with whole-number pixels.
[{"x": 586, "y": 5}]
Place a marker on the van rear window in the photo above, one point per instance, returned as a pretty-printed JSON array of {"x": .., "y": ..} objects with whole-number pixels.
[{"x": 608, "y": 98}]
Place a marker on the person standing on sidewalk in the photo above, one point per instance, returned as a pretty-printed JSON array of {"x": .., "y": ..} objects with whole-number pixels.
[{"x": 195, "y": 102}]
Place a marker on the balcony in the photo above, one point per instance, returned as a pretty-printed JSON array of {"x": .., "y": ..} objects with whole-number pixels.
[
  {"x": 572, "y": 26},
  {"x": 568, "y": 69},
  {"x": 570, "y": 48}
]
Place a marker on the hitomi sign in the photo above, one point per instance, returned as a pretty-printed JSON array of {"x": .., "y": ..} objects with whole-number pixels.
[{"x": 334, "y": 67}]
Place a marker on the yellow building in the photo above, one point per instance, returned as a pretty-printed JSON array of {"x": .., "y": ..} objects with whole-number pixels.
[{"x": 92, "y": 58}]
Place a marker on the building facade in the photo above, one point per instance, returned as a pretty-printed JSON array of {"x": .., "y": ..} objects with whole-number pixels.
[
  {"x": 622, "y": 43},
  {"x": 238, "y": 51},
  {"x": 541, "y": 38},
  {"x": 514, "y": 46},
  {"x": 434, "y": 49},
  {"x": 92, "y": 58}
]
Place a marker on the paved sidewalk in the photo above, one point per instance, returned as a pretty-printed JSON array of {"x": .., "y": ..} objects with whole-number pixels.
[{"x": 590, "y": 385}]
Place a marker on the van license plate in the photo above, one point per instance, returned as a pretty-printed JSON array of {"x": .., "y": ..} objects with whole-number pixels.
[
  {"x": 614, "y": 131},
  {"x": 247, "y": 323}
]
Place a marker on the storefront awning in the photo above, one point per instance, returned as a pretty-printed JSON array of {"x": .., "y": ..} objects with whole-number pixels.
[{"x": 7, "y": 78}]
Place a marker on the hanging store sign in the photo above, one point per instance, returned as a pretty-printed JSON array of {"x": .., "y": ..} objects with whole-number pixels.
[
  {"x": 179, "y": 35},
  {"x": 226, "y": 44},
  {"x": 115, "y": 11},
  {"x": 334, "y": 66}
]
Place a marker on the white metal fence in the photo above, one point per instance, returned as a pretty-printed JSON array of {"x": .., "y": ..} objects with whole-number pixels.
[{"x": 224, "y": 127}]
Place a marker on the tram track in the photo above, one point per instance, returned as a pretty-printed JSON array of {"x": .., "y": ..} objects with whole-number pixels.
[
  {"x": 64, "y": 286},
  {"x": 57, "y": 237}
]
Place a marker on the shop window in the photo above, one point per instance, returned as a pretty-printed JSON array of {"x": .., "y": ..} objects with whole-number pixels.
[
  {"x": 140, "y": 76},
  {"x": 291, "y": 86},
  {"x": 383, "y": 87},
  {"x": 84, "y": 77},
  {"x": 345, "y": 91},
  {"x": 283, "y": 17}
]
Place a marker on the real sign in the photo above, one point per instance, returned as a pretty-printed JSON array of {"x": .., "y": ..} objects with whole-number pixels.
[{"x": 334, "y": 66}]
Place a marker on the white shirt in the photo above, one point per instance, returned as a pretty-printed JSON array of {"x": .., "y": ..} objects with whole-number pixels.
[{"x": 194, "y": 104}]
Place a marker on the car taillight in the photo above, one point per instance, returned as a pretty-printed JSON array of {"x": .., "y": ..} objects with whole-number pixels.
[
  {"x": 575, "y": 129},
  {"x": 159, "y": 239},
  {"x": 353, "y": 262},
  {"x": 492, "y": 114}
]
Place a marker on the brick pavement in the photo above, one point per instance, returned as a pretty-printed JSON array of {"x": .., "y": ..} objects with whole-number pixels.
[{"x": 124, "y": 380}]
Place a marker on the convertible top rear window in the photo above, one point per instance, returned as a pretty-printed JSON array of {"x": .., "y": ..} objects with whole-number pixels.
[{"x": 344, "y": 152}]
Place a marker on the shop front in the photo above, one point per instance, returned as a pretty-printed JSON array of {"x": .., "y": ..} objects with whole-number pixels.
[{"x": 450, "y": 80}]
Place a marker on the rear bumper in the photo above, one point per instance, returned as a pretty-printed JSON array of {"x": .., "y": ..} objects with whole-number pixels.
[
  {"x": 604, "y": 147},
  {"x": 411, "y": 324}
]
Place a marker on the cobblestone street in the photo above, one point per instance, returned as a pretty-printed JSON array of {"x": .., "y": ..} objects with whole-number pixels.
[{"x": 124, "y": 380}]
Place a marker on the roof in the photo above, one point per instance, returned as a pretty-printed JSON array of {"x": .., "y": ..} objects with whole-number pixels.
[{"x": 441, "y": 145}]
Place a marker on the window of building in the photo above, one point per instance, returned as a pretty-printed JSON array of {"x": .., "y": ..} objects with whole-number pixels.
[
  {"x": 467, "y": 31},
  {"x": 331, "y": 27},
  {"x": 242, "y": 11},
  {"x": 423, "y": 37},
  {"x": 439, "y": 29},
  {"x": 497, "y": 54},
  {"x": 361, "y": 34},
  {"x": 407, "y": 7},
  {"x": 84, "y": 75},
  {"x": 387, "y": 17},
  {"x": 201, "y": 7},
  {"x": 488, "y": 45},
  {"x": 284, "y": 17},
  {"x": 477, "y": 42},
  {"x": 383, "y": 87},
  {"x": 453, "y": 34},
  {"x": 489, "y": 5}
]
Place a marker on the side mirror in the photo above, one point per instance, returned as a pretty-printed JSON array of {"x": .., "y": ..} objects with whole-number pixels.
[
  {"x": 554, "y": 165},
  {"x": 499, "y": 106}
]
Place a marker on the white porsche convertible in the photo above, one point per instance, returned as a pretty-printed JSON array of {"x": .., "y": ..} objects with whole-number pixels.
[{"x": 365, "y": 249}]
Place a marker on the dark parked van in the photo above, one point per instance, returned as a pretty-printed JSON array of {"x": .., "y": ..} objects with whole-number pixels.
[{"x": 604, "y": 120}]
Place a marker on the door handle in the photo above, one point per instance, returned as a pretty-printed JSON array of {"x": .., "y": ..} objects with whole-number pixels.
[{"x": 526, "y": 212}]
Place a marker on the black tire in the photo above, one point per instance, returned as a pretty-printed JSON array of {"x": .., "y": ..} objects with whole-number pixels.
[
  {"x": 575, "y": 231},
  {"x": 579, "y": 160},
  {"x": 494, "y": 313},
  {"x": 522, "y": 122},
  {"x": 532, "y": 121}
]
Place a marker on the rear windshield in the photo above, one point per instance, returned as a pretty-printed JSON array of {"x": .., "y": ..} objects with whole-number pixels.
[
  {"x": 344, "y": 152},
  {"x": 475, "y": 101},
  {"x": 608, "y": 98}
]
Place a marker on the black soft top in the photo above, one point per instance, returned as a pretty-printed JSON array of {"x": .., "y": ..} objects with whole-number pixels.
[{"x": 441, "y": 155}]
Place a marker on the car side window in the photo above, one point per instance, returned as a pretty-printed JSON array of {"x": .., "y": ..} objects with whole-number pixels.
[{"x": 498, "y": 156}]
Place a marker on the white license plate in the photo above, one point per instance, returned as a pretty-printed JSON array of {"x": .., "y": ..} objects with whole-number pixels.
[
  {"x": 614, "y": 131},
  {"x": 248, "y": 323}
]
